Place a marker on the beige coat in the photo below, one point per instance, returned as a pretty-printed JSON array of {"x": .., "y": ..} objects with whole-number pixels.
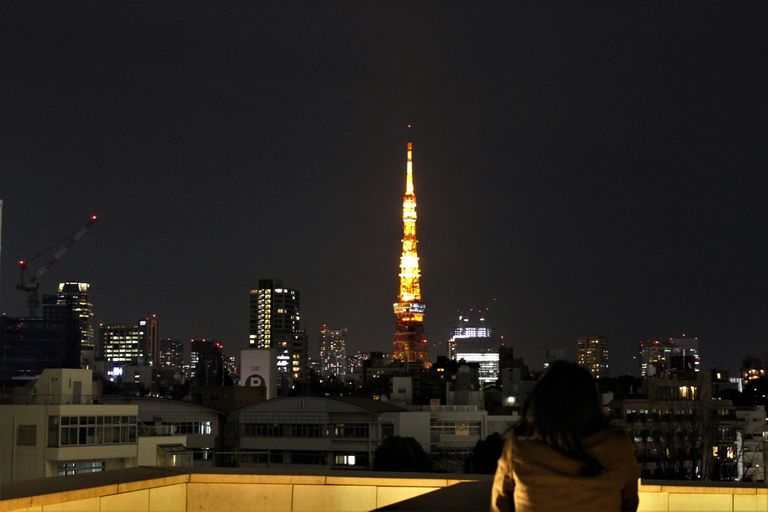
[{"x": 541, "y": 479}]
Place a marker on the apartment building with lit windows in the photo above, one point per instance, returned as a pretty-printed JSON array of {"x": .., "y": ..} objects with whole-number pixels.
[
  {"x": 592, "y": 354},
  {"x": 275, "y": 322},
  {"x": 333, "y": 353}
]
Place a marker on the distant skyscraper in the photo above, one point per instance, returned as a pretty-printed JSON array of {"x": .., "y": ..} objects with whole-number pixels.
[
  {"x": 207, "y": 362},
  {"x": 29, "y": 345},
  {"x": 275, "y": 322},
  {"x": 688, "y": 352},
  {"x": 654, "y": 357},
  {"x": 592, "y": 354},
  {"x": 410, "y": 344},
  {"x": 127, "y": 343},
  {"x": 333, "y": 352},
  {"x": 659, "y": 358},
  {"x": 153, "y": 339},
  {"x": 76, "y": 295},
  {"x": 171, "y": 353},
  {"x": 475, "y": 341}
]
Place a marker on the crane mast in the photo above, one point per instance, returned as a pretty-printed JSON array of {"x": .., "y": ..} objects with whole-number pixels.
[{"x": 30, "y": 283}]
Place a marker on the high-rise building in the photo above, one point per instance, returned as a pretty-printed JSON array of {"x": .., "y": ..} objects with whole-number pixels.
[
  {"x": 333, "y": 352},
  {"x": 30, "y": 345},
  {"x": 127, "y": 343},
  {"x": 207, "y": 362},
  {"x": 171, "y": 353},
  {"x": 299, "y": 351},
  {"x": 275, "y": 322},
  {"x": 592, "y": 354},
  {"x": 153, "y": 339},
  {"x": 654, "y": 356},
  {"x": 660, "y": 358},
  {"x": 409, "y": 344},
  {"x": 475, "y": 341},
  {"x": 687, "y": 357},
  {"x": 76, "y": 295}
]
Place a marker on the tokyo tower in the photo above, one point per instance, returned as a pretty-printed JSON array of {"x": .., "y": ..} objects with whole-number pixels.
[{"x": 409, "y": 344}]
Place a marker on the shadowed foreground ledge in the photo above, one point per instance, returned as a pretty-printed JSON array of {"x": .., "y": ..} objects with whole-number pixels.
[{"x": 228, "y": 490}]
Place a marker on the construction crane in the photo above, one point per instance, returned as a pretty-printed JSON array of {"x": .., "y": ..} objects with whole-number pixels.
[{"x": 30, "y": 283}]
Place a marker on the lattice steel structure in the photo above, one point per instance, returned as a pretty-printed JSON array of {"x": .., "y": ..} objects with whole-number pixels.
[{"x": 409, "y": 344}]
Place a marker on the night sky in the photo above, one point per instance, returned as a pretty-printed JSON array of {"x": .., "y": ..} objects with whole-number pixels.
[{"x": 596, "y": 168}]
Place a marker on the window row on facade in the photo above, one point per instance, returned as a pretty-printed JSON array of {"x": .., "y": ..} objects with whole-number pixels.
[
  {"x": 316, "y": 430},
  {"x": 455, "y": 428},
  {"x": 91, "y": 430},
  {"x": 308, "y": 457}
]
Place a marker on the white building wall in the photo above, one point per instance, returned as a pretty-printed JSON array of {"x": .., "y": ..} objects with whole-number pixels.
[
  {"x": 413, "y": 424},
  {"x": 20, "y": 462},
  {"x": 63, "y": 386}
]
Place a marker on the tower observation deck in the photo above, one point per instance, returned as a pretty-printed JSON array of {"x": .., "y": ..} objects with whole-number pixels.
[{"x": 409, "y": 344}]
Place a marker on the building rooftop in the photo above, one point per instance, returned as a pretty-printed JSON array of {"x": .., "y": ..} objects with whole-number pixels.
[{"x": 228, "y": 489}]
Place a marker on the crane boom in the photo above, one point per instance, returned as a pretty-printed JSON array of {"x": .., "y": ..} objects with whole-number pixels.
[{"x": 32, "y": 285}]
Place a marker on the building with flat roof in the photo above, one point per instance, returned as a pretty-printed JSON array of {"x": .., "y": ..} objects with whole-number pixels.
[
  {"x": 333, "y": 352},
  {"x": 275, "y": 322},
  {"x": 60, "y": 431},
  {"x": 29, "y": 345},
  {"x": 77, "y": 295},
  {"x": 592, "y": 354},
  {"x": 339, "y": 432},
  {"x": 128, "y": 343}
]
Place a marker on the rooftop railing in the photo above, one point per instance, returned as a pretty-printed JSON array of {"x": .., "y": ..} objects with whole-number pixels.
[{"x": 226, "y": 490}]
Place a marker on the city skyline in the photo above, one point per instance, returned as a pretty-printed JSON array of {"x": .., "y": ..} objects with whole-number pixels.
[{"x": 596, "y": 170}]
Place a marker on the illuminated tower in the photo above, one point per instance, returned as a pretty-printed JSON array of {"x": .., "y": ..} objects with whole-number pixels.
[{"x": 409, "y": 345}]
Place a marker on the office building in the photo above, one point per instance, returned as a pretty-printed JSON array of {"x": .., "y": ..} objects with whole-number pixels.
[
  {"x": 77, "y": 296},
  {"x": 338, "y": 432},
  {"x": 29, "y": 345},
  {"x": 333, "y": 353},
  {"x": 592, "y": 354},
  {"x": 207, "y": 358},
  {"x": 171, "y": 353},
  {"x": 128, "y": 343},
  {"x": 661, "y": 358},
  {"x": 475, "y": 341},
  {"x": 687, "y": 356}
]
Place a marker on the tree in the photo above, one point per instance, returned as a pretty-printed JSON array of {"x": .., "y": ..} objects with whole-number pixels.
[
  {"x": 485, "y": 455},
  {"x": 401, "y": 454}
]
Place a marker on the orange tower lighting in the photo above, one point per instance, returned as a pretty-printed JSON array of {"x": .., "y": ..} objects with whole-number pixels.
[{"x": 410, "y": 344}]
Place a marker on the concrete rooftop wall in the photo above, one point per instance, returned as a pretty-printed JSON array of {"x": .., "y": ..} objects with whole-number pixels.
[{"x": 156, "y": 490}]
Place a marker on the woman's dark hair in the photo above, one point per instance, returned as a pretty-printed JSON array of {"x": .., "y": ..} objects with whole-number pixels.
[{"x": 562, "y": 409}]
